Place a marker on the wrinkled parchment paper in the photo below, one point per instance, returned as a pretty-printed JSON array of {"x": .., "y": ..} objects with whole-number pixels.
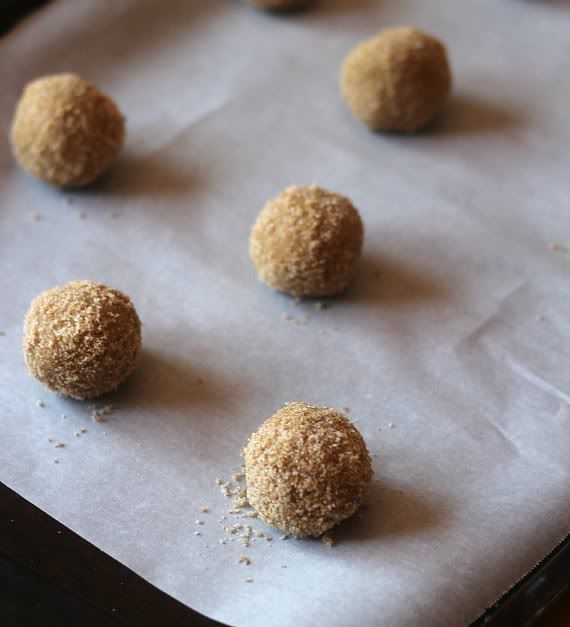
[{"x": 456, "y": 331}]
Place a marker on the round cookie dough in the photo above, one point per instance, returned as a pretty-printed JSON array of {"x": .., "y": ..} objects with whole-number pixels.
[
  {"x": 396, "y": 81},
  {"x": 306, "y": 242},
  {"x": 65, "y": 131},
  {"x": 279, "y": 5},
  {"x": 307, "y": 469},
  {"x": 82, "y": 339}
]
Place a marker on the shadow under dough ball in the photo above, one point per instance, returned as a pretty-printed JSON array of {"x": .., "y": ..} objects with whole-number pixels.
[
  {"x": 279, "y": 5},
  {"x": 307, "y": 469},
  {"x": 396, "y": 81},
  {"x": 306, "y": 242},
  {"x": 65, "y": 131},
  {"x": 82, "y": 339}
]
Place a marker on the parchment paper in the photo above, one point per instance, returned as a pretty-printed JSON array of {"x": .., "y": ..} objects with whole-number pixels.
[{"x": 456, "y": 331}]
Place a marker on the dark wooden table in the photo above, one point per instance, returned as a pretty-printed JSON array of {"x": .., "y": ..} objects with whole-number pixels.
[{"x": 51, "y": 576}]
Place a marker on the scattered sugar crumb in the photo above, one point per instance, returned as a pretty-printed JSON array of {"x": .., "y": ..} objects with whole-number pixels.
[
  {"x": 232, "y": 528},
  {"x": 36, "y": 216},
  {"x": 226, "y": 489},
  {"x": 244, "y": 560},
  {"x": 98, "y": 415},
  {"x": 40, "y": 404},
  {"x": 285, "y": 537},
  {"x": 248, "y": 580},
  {"x": 56, "y": 461},
  {"x": 83, "y": 430},
  {"x": 59, "y": 444},
  {"x": 197, "y": 533},
  {"x": 63, "y": 416},
  {"x": 238, "y": 476},
  {"x": 204, "y": 510},
  {"x": 283, "y": 565},
  {"x": 391, "y": 425},
  {"x": 346, "y": 409},
  {"x": 199, "y": 522},
  {"x": 77, "y": 434},
  {"x": 328, "y": 539},
  {"x": 320, "y": 306},
  {"x": 219, "y": 482}
]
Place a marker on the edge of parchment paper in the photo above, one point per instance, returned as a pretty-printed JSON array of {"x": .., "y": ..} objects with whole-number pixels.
[
  {"x": 15, "y": 10},
  {"x": 521, "y": 592}
]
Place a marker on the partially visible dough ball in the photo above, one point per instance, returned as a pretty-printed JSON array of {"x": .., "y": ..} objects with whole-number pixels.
[
  {"x": 396, "y": 81},
  {"x": 306, "y": 242},
  {"x": 65, "y": 131},
  {"x": 82, "y": 339},
  {"x": 279, "y": 5},
  {"x": 307, "y": 469}
]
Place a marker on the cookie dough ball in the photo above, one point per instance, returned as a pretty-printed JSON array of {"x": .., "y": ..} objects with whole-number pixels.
[
  {"x": 306, "y": 242},
  {"x": 279, "y": 5},
  {"x": 396, "y": 81},
  {"x": 65, "y": 131},
  {"x": 82, "y": 339},
  {"x": 307, "y": 469}
]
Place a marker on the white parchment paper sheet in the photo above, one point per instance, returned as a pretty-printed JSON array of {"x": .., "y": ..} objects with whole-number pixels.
[{"x": 462, "y": 342}]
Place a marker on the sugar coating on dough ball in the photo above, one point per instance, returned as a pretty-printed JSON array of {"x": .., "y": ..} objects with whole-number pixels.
[
  {"x": 306, "y": 242},
  {"x": 82, "y": 339},
  {"x": 307, "y": 469},
  {"x": 396, "y": 81},
  {"x": 65, "y": 131},
  {"x": 279, "y": 5}
]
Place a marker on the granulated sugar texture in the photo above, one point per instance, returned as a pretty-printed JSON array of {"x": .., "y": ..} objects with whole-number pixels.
[
  {"x": 396, "y": 81},
  {"x": 65, "y": 131},
  {"x": 306, "y": 242},
  {"x": 307, "y": 469},
  {"x": 82, "y": 339}
]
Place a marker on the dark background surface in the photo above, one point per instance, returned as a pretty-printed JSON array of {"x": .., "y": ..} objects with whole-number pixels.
[{"x": 49, "y": 576}]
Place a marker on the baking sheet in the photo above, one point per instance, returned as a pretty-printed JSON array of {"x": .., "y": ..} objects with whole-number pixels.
[{"x": 456, "y": 330}]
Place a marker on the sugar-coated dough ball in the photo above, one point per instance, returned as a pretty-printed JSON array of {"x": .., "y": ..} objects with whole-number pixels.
[
  {"x": 307, "y": 469},
  {"x": 65, "y": 131},
  {"x": 306, "y": 242},
  {"x": 82, "y": 339},
  {"x": 396, "y": 81},
  {"x": 279, "y": 5}
]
